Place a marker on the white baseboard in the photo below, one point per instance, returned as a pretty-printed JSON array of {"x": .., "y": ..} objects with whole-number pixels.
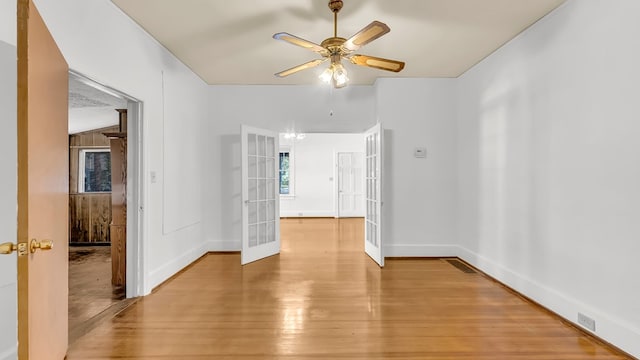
[
  {"x": 223, "y": 246},
  {"x": 614, "y": 331},
  {"x": 295, "y": 213},
  {"x": 157, "y": 276},
  {"x": 413, "y": 250},
  {"x": 9, "y": 354}
]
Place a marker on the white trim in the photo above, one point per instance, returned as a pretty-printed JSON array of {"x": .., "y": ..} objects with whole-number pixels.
[
  {"x": 172, "y": 267},
  {"x": 313, "y": 213},
  {"x": 420, "y": 250},
  {"x": 136, "y": 191},
  {"x": 223, "y": 246},
  {"x": 615, "y": 331}
]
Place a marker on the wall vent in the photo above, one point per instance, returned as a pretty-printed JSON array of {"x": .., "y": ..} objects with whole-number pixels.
[
  {"x": 462, "y": 266},
  {"x": 587, "y": 322}
]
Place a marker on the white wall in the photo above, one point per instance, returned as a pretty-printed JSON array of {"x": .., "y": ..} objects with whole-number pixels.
[
  {"x": 91, "y": 118},
  {"x": 419, "y": 194},
  {"x": 8, "y": 197},
  {"x": 100, "y": 42},
  {"x": 8, "y": 22},
  {"x": 315, "y": 174},
  {"x": 548, "y": 165}
]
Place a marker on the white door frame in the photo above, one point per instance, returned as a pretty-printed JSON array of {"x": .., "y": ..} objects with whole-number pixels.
[{"x": 137, "y": 266}]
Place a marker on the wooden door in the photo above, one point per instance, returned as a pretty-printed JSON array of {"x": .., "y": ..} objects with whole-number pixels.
[
  {"x": 350, "y": 184},
  {"x": 43, "y": 189},
  {"x": 260, "y": 194},
  {"x": 373, "y": 177}
]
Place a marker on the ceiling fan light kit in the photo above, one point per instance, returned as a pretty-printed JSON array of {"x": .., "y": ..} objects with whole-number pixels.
[{"x": 335, "y": 48}]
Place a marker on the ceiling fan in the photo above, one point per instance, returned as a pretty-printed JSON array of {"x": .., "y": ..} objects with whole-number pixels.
[{"x": 335, "y": 48}]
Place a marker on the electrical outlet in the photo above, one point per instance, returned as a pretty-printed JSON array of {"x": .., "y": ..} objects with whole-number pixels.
[{"x": 587, "y": 322}]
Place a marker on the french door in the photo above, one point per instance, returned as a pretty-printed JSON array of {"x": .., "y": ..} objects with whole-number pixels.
[
  {"x": 260, "y": 194},
  {"x": 373, "y": 194}
]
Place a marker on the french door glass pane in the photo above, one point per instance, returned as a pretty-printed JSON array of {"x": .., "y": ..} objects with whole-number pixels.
[
  {"x": 253, "y": 235},
  {"x": 253, "y": 213},
  {"x": 252, "y": 170},
  {"x": 261, "y": 145},
  {"x": 251, "y": 144}
]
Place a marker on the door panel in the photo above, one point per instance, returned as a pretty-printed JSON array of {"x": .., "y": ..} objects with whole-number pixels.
[
  {"x": 43, "y": 199},
  {"x": 350, "y": 184},
  {"x": 8, "y": 263},
  {"x": 373, "y": 184},
  {"x": 260, "y": 194}
]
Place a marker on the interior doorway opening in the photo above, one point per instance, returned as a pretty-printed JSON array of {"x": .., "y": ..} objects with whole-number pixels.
[
  {"x": 322, "y": 188},
  {"x": 272, "y": 188},
  {"x": 104, "y": 170}
]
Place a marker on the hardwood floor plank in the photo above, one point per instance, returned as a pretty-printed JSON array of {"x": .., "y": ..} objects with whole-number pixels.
[{"x": 323, "y": 298}]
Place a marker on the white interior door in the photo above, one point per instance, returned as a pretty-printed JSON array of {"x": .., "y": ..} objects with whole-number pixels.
[
  {"x": 373, "y": 197},
  {"x": 350, "y": 184},
  {"x": 260, "y": 195},
  {"x": 8, "y": 196}
]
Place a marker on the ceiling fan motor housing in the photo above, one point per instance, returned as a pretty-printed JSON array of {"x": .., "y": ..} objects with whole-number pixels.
[{"x": 335, "y": 5}]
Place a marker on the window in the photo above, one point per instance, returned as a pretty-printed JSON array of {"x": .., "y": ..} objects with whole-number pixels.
[
  {"x": 286, "y": 171},
  {"x": 94, "y": 170}
]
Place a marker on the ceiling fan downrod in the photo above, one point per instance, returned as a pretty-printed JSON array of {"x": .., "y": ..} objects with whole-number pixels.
[{"x": 335, "y": 6}]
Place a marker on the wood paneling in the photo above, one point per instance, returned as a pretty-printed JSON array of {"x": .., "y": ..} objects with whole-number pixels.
[
  {"x": 118, "y": 209},
  {"x": 118, "y": 255},
  {"x": 89, "y": 213},
  {"x": 324, "y": 298},
  {"x": 89, "y": 217}
]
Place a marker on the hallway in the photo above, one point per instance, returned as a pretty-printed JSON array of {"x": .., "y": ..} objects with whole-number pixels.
[{"x": 323, "y": 298}]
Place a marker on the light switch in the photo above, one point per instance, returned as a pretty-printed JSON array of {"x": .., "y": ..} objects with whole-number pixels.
[{"x": 152, "y": 175}]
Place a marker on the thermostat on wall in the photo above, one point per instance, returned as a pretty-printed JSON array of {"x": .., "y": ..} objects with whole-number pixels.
[{"x": 420, "y": 152}]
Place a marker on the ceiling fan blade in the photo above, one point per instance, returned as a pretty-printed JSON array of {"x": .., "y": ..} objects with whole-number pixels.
[
  {"x": 307, "y": 65},
  {"x": 301, "y": 42},
  {"x": 376, "y": 62},
  {"x": 365, "y": 36}
]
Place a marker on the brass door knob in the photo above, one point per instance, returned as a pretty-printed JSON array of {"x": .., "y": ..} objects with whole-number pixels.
[
  {"x": 42, "y": 245},
  {"x": 8, "y": 248}
]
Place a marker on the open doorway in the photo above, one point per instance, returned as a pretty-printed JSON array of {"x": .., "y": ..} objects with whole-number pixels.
[
  {"x": 100, "y": 190},
  {"x": 272, "y": 188},
  {"x": 322, "y": 185}
]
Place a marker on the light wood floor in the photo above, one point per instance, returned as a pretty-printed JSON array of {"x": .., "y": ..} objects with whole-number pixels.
[
  {"x": 323, "y": 298},
  {"x": 90, "y": 289}
]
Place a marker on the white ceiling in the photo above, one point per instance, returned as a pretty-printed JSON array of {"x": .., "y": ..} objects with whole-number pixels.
[
  {"x": 230, "y": 42},
  {"x": 91, "y": 108}
]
